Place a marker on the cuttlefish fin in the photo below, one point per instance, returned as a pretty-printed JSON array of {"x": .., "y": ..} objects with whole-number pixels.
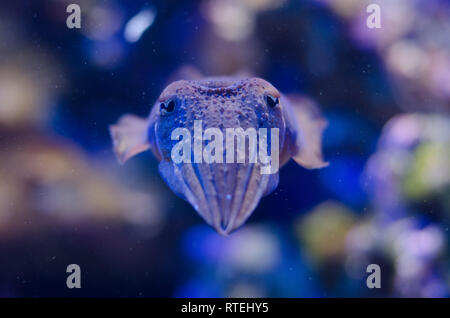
[
  {"x": 305, "y": 128},
  {"x": 130, "y": 136}
]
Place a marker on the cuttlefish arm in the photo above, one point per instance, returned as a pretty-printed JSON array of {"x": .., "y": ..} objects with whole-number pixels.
[{"x": 304, "y": 132}]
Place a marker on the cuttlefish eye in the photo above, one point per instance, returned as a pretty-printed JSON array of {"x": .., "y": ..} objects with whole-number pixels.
[
  {"x": 167, "y": 107},
  {"x": 271, "y": 101}
]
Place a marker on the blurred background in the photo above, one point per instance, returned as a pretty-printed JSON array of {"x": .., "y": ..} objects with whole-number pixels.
[{"x": 384, "y": 199}]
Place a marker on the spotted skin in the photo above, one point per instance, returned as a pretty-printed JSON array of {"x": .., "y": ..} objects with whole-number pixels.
[{"x": 224, "y": 194}]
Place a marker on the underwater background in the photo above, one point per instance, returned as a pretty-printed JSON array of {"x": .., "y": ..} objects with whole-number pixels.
[{"x": 384, "y": 199}]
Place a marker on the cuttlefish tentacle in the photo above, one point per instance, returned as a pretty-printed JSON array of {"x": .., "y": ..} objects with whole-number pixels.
[
  {"x": 244, "y": 175},
  {"x": 205, "y": 178},
  {"x": 224, "y": 194}
]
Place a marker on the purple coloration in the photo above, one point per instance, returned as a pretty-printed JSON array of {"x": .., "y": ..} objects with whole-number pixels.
[{"x": 224, "y": 194}]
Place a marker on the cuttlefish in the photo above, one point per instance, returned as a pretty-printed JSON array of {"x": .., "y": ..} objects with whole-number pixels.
[{"x": 224, "y": 194}]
